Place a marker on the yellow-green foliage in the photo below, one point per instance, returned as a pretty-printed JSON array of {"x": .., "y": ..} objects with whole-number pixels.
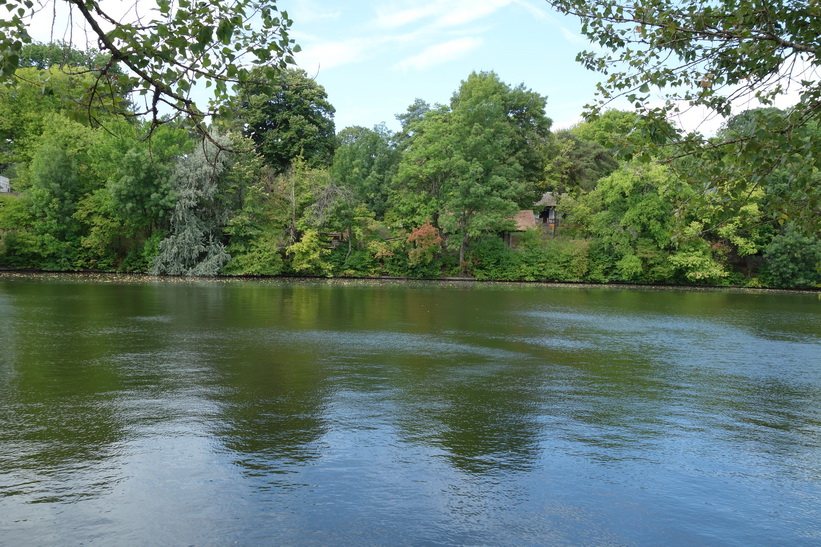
[{"x": 307, "y": 254}]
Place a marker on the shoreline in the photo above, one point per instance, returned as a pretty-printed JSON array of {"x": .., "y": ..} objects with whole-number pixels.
[{"x": 109, "y": 277}]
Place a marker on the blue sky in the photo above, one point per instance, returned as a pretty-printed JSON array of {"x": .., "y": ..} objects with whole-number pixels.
[{"x": 375, "y": 57}]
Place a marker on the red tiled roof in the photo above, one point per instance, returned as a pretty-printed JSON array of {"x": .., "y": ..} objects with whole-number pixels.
[{"x": 524, "y": 219}]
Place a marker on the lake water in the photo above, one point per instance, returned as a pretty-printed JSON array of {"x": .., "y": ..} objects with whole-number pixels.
[{"x": 349, "y": 413}]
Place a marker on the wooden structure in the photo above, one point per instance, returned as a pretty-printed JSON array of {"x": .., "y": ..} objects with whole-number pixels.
[
  {"x": 547, "y": 219},
  {"x": 548, "y": 215},
  {"x": 524, "y": 220}
]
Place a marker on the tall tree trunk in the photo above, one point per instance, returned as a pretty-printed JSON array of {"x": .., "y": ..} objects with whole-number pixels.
[{"x": 462, "y": 247}]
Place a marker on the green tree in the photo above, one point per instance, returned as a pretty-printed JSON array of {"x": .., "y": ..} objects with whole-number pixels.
[
  {"x": 18, "y": 244},
  {"x": 366, "y": 161},
  {"x": 742, "y": 212},
  {"x": 425, "y": 170},
  {"x": 788, "y": 189},
  {"x": 308, "y": 255},
  {"x": 286, "y": 117},
  {"x": 414, "y": 113},
  {"x": 283, "y": 215},
  {"x": 101, "y": 246},
  {"x": 713, "y": 54},
  {"x": 736, "y": 209},
  {"x": 33, "y": 94},
  {"x": 468, "y": 167},
  {"x": 256, "y": 228},
  {"x": 62, "y": 171},
  {"x": 702, "y": 51},
  {"x": 793, "y": 260},
  {"x": 629, "y": 219},
  {"x": 195, "y": 245},
  {"x": 574, "y": 163},
  {"x": 43, "y": 56},
  {"x": 608, "y": 128},
  {"x": 141, "y": 184},
  {"x": 257, "y": 231},
  {"x": 172, "y": 49},
  {"x": 300, "y": 188},
  {"x": 53, "y": 196}
]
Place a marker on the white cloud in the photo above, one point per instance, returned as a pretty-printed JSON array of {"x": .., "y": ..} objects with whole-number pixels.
[
  {"x": 387, "y": 19},
  {"x": 440, "y": 53},
  {"x": 438, "y": 31},
  {"x": 62, "y": 22},
  {"x": 321, "y": 55},
  {"x": 310, "y": 10},
  {"x": 698, "y": 118},
  {"x": 442, "y": 13},
  {"x": 462, "y": 13},
  {"x": 707, "y": 122},
  {"x": 574, "y": 38},
  {"x": 534, "y": 11},
  {"x": 567, "y": 122}
]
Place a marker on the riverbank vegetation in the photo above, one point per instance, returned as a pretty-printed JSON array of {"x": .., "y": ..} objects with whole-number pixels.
[{"x": 274, "y": 189}]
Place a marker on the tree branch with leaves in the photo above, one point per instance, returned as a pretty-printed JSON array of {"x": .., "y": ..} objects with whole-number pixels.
[
  {"x": 177, "y": 46},
  {"x": 703, "y": 52},
  {"x": 725, "y": 55}
]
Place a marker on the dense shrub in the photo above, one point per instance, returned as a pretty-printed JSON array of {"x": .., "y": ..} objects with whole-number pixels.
[
  {"x": 792, "y": 260},
  {"x": 536, "y": 258}
]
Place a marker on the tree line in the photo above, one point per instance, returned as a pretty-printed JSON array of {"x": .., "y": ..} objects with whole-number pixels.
[{"x": 274, "y": 189}]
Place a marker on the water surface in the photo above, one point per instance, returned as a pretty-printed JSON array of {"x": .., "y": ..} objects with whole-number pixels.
[{"x": 313, "y": 413}]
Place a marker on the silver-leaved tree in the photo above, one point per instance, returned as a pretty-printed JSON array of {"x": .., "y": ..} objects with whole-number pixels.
[{"x": 195, "y": 245}]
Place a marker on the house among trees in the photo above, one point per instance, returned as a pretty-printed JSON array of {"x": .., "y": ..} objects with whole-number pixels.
[
  {"x": 548, "y": 216},
  {"x": 525, "y": 220},
  {"x": 5, "y": 185},
  {"x": 547, "y": 219}
]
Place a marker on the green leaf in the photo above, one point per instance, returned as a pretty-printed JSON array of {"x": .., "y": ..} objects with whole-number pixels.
[
  {"x": 204, "y": 35},
  {"x": 224, "y": 31}
]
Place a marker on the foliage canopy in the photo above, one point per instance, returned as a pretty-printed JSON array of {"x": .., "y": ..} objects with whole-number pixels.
[
  {"x": 286, "y": 117},
  {"x": 166, "y": 48},
  {"x": 717, "y": 54},
  {"x": 705, "y": 52}
]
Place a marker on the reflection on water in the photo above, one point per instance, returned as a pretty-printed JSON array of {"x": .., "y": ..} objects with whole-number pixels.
[{"x": 335, "y": 412}]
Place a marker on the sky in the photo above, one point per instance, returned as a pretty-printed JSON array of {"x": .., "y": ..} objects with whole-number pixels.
[{"x": 375, "y": 57}]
